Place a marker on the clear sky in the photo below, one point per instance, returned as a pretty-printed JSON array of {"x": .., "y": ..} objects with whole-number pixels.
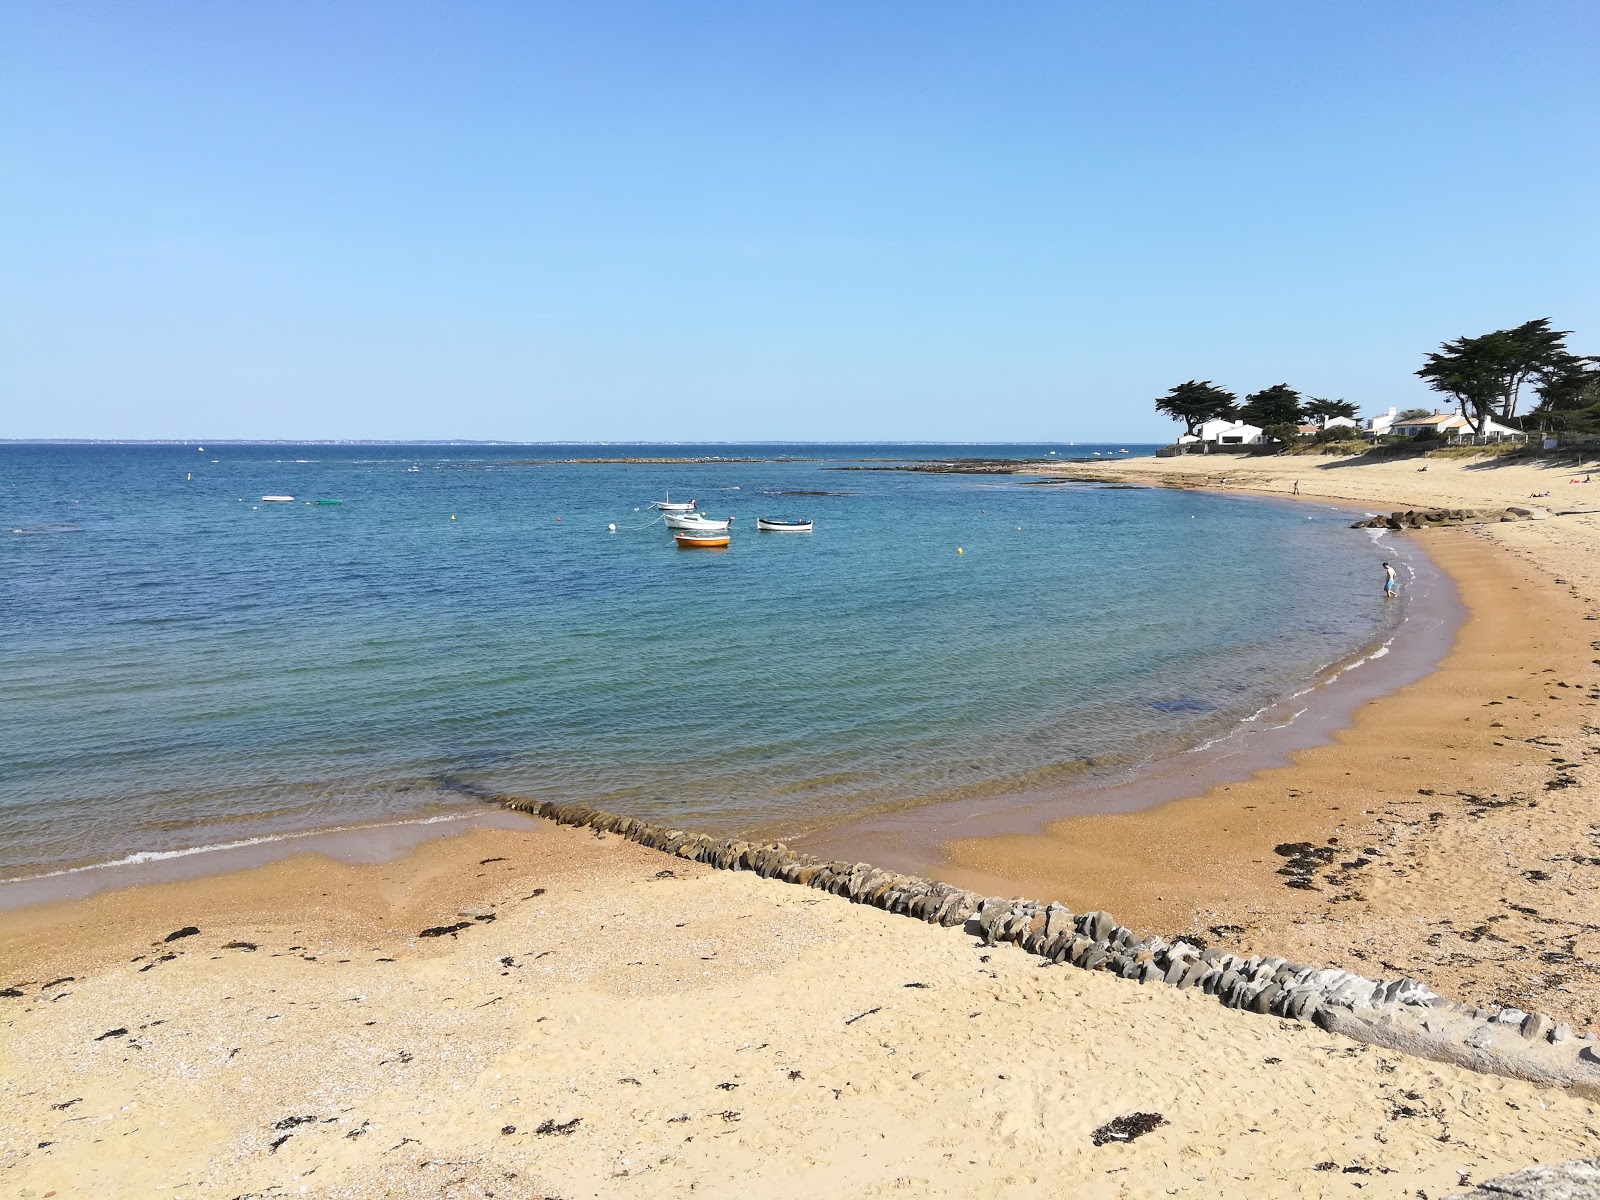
[{"x": 684, "y": 220}]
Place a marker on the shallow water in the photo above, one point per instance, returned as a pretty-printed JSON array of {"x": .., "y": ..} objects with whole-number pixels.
[{"x": 184, "y": 665}]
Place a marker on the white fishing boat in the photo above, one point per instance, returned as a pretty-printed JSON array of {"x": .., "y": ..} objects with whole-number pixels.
[
  {"x": 770, "y": 525},
  {"x": 695, "y": 523},
  {"x": 669, "y": 505},
  {"x": 277, "y": 499}
]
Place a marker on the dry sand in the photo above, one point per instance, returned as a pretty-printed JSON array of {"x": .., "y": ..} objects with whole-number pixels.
[{"x": 626, "y": 1032}]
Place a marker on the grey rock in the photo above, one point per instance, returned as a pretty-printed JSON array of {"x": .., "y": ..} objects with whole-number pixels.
[
  {"x": 989, "y": 914},
  {"x": 1481, "y": 1038},
  {"x": 1057, "y": 920},
  {"x": 1536, "y": 1026},
  {"x": 1303, "y": 1005},
  {"x": 1576, "y": 1180},
  {"x": 1261, "y": 1002},
  {"x": 1096, "y": 926}
]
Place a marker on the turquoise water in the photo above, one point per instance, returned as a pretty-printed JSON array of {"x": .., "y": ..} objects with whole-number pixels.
[{"x": 184, "y": 665}]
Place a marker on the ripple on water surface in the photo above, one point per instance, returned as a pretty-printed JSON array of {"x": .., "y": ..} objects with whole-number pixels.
[{"x": 195, "y": 668}]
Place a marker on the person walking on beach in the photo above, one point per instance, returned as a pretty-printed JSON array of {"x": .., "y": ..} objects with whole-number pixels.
[
  {"x": 1296, "y": 491},
  {"x": 1388, "y": 582}
]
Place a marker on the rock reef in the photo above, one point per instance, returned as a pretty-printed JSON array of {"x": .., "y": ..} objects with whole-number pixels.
[{"x": 1429, "y": 518}]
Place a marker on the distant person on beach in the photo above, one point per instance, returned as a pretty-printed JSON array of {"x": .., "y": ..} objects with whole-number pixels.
[
  {"x": 1388, "y": 582},
  {"x": 1296, "y": 491}
]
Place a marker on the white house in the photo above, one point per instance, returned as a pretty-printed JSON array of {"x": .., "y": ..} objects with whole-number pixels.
[
  {"x": 1447, "y": 425},
  {"x": 1342, "y": 423},
  {"x": 1226, "y": 433}
]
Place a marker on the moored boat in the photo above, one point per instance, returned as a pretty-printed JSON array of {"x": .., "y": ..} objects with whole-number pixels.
[
  {"x": 669, "y": 505},
  {"x": 702, "y": 541},
  {"x": 771, "y": 525},
  {"x": 696, "y": 523},
  {"x": 277, "y": 499}
]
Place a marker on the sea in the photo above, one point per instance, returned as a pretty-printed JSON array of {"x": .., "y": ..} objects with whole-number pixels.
[{"x": 185, "y": 665}]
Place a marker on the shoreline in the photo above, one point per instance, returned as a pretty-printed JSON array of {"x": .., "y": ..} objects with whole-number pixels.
[
  {"x": 904, "y": 837},
  {"x": 910, "y": 838},
  {"x": 556, "y": 1010},
  {"x": 1447, "y": 831}
]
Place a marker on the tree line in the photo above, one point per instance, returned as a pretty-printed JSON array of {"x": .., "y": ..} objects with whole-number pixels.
[
  {"x": 1487, "y": 376},
  {"x": 1277, "y": 407}
]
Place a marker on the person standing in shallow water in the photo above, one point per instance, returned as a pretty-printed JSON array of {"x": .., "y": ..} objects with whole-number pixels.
[{"x": 1388, "y": 582}]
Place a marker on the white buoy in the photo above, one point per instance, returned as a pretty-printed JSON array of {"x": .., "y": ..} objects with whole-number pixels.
[{"x": 612, "y": 527}]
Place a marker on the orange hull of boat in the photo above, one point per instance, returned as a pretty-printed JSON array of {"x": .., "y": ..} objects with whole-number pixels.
[{"x": 703, "y": 543}]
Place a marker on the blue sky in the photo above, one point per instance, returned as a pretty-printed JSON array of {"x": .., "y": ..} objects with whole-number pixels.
[{"x": 827, "y": 220}]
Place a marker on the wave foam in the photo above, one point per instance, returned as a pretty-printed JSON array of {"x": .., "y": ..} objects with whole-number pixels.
[{"x": 148, "y": 856}]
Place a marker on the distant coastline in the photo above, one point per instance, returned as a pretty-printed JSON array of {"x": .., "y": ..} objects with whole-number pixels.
[{"x": 504, "y": 442}]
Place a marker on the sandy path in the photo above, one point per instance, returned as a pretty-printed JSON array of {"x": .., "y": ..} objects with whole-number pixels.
[{"x": 708, "y": 1033}]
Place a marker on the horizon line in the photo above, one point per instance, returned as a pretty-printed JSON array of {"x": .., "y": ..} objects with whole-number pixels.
[{"x": 563, "y": 442}]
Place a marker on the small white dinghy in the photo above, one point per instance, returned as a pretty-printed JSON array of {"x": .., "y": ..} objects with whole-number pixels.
[
  {"x": 669, "y": 505},
  {"x": 277, "y": 499},
  {"x": 769, "y": 525},
  {"x": 695, "y": 523}
]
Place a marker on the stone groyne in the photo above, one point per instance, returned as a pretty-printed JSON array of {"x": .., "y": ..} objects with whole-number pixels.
[{"x": 1399, "y": 1014}]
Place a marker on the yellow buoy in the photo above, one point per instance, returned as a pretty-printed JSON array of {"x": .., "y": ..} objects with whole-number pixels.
[
  {"x": 452, "y": 516},
  {"x": 958, "y": 550}
]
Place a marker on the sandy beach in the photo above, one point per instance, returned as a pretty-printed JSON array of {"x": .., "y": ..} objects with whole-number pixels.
[
  {"x": 616, "y": 1030},
  {"x": 541, "y": 1011}
]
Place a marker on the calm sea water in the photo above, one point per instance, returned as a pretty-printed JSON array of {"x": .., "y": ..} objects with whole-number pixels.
[{"x": 184, "y": 665}]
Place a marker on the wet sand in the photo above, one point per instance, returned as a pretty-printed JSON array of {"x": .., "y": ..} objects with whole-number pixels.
[{"x": 1451, "y": 832}]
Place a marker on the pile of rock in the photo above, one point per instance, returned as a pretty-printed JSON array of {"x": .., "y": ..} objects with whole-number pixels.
[
  {"x": 1429, "y": 518},
  {"x": 1398, "y": 1013}
]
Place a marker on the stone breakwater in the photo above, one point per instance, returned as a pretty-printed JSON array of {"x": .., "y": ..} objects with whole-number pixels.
[
  {"x": 1432, "y": 517},
  {"x": 1400, "y": 1014}
]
